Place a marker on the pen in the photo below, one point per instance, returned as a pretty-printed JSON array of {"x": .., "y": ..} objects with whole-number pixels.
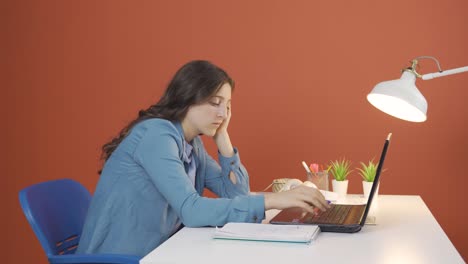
[{"x": 309, "y": 173}]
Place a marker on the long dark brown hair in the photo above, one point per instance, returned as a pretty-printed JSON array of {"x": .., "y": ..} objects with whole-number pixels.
[{"x": 192, "y": 84}]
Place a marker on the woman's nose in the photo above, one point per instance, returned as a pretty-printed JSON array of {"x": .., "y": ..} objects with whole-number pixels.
[{"x": 222, "y": 112}]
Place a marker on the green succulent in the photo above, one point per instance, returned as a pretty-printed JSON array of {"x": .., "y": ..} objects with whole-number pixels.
[
  {"x": 368, "y": 171},
  {"x": 340, "y": 169}
]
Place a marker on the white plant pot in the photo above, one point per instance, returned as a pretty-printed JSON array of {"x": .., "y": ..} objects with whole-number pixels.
[
  {"x": 367, "y": 187},
  {"x": 340, "y": 187}
]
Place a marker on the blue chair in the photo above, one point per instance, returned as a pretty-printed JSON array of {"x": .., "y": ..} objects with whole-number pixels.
[{"x": 56, "y": 211}]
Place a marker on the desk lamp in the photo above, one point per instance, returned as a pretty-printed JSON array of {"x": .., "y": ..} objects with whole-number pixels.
[{"x": 401, "y": 98}]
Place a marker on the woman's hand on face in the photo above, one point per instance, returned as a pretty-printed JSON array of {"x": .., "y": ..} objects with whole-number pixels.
[
  {"x": 302, "y": 196},
  {"x": 221, "y": 137},
  {"x": 224, "y": 125}
]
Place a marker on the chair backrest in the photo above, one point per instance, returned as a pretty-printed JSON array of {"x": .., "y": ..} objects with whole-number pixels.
[{"x": 56, "y": 211}]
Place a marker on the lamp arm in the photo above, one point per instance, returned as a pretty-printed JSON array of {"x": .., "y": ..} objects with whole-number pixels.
[
  {"x": 429, "y": 57},
  {"x": 429, "y": 76}
]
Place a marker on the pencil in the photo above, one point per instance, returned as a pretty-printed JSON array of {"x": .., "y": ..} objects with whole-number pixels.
[{"x": 309, "y": 173}]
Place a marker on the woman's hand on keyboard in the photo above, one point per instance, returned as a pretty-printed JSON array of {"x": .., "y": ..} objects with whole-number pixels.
[{"x": 302, "y": 196}]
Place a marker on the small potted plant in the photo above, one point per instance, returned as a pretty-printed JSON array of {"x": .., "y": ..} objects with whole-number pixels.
[
  {"x": 368, "y": 172},
  {"x": 340, "y": 170}
]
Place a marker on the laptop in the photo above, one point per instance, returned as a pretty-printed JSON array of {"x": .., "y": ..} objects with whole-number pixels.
[{"x": 340, "y": 218}]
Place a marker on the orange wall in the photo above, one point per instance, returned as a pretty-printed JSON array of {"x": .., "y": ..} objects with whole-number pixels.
[{"x": 77, "y": 71}]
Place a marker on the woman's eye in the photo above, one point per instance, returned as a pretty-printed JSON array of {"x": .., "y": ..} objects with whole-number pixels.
[{"x": 215, "y": 103}]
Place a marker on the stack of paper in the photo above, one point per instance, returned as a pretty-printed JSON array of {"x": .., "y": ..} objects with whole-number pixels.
[{"x": 267, "y": 232}]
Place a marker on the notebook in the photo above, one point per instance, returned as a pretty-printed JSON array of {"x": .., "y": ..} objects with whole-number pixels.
[
  {"x": 341, "y": 218},
  {"x": 267, "y": 233}
]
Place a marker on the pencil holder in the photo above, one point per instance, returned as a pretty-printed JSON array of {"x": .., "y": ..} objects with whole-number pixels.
[{"x": 320, "y": 179}]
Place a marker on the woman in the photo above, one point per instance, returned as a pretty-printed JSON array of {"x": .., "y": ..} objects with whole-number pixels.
[{"x": 155, "y": 171}]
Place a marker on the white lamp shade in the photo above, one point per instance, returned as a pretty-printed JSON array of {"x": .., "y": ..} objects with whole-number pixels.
[{"x": 400, "y": 98}]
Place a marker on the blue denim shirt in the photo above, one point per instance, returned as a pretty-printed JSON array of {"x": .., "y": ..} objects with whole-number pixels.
[{"x": 144, "y": 192}]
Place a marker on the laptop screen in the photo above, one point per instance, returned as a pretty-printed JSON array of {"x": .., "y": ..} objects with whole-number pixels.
[{"x": 377, "y": 178}]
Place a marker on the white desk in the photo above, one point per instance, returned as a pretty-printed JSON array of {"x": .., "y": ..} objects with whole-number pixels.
[{"x": 406, "y": 232}]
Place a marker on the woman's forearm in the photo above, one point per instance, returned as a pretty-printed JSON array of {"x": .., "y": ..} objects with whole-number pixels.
[{"x": 224, "y": 144}]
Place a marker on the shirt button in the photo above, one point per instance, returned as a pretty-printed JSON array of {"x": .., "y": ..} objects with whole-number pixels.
[{"x": 232, "y": 162}]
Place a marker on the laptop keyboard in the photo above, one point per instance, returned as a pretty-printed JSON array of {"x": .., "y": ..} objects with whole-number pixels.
[{"x": 335, "y": 215}]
